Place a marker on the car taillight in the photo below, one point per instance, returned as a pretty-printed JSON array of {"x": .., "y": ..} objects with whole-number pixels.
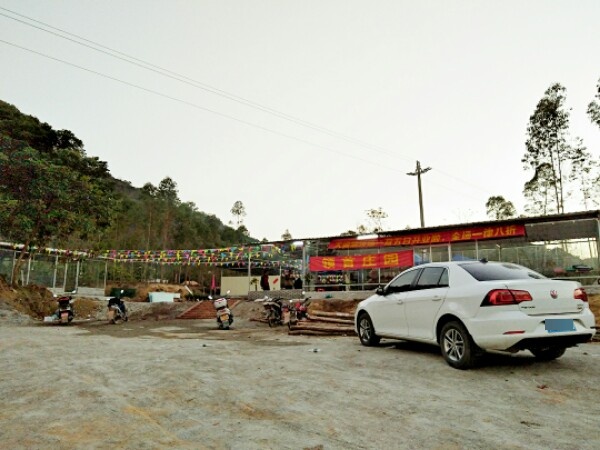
[
  {"x": 580, "y": 294},
  {"x": 499, "y": 297}
]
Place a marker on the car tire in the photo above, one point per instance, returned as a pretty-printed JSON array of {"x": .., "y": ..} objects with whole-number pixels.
[
  {"x": 366, "y": 331},
  {"x": 548, "y": 353},
  {"x": 458, "y": 348}
]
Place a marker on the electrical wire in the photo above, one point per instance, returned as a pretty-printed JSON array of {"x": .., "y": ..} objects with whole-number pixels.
[
  {"x": 194, "y": 105},
  {"x": 181, "y": 78},
  {"x": 220, "y": 114},
  {"x": 208, "y": 88},
  {"x": 197, "y": 84}
]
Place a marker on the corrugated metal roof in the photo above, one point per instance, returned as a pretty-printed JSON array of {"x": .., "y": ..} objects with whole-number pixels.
[{"x": 544, "y": 228}]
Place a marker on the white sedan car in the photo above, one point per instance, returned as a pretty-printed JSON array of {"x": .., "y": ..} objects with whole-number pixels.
[{"x": 470, "y": 307}]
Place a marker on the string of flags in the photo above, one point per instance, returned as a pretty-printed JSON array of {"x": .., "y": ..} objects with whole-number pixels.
[{"x": 263, "y": 255}]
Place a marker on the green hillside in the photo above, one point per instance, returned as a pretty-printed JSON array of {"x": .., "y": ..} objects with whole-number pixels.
[{"x": 123, "y": 216}]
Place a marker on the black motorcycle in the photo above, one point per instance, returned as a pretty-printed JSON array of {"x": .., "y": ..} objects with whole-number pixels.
[
  {"x": 275, "y": 310},
  {"x": 64, "y": 313},
  {"x": 117, "y": 311}
]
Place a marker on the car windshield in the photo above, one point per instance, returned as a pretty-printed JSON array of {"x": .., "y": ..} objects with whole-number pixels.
[{"x": 502, "y": 271}]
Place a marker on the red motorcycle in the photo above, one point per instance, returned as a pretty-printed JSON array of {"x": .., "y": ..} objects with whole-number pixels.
[{"x": 298, "y": 310}]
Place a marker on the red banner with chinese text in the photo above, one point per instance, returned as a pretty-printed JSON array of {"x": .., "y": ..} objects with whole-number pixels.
[
  {"x": 357, "y": 262},
  {"x": 437, "y": 237}
]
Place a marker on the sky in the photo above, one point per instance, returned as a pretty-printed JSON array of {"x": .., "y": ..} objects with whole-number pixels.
[{"x": 309, "y": 112}]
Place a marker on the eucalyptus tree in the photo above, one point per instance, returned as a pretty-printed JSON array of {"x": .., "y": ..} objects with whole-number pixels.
[
  {"x": 538, "y": 191},
  {"x": 376, "y": 217},
  {"x": 594, "y": 107},
  {"x": 239, "y": 212},
  {"x": 548, "y": 153},
  {"x": 498, "y": 208},
  {"x": 585, "y": 175}
]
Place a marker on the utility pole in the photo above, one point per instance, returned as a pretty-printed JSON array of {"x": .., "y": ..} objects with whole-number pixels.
[{"x": 418, "y": 173}]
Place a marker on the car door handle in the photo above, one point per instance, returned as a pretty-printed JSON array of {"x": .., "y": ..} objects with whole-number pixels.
[
  {"x": 400, "y": 302},
  {"x": 437, "y": 298}
]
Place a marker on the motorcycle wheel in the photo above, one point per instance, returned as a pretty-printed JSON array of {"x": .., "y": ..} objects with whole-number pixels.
[{"x": 271, "y": 319}]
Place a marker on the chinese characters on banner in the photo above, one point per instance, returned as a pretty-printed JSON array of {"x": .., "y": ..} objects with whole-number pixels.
[
  {"x": 356, "y": 262},
  {"x": 438, "y": 237}
]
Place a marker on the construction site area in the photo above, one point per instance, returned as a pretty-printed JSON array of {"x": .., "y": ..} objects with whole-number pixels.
[{"x": 169, "y": 378}]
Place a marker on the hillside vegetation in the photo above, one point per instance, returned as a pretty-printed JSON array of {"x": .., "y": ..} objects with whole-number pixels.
[{"x": 53, "y": 194}]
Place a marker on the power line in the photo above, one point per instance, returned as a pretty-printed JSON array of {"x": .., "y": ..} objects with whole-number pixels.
[
  {"x": 194, "y": 105},
  {"x": 206, "y": 87},
  {"x": 194, "y": 83}
]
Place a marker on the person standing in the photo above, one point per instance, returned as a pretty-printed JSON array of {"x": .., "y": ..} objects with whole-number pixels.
[
  {"x": 264, "y": 281},
  {"x": 298, "y": 283}
]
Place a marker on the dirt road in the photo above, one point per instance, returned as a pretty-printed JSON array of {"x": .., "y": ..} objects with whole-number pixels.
[{"x": 183, "y": 384}]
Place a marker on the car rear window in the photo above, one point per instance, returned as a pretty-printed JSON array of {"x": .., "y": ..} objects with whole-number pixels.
[{"x": 482, "y": 271}]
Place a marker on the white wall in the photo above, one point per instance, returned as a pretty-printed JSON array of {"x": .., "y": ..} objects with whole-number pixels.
[{"x": 241, "y": 285}]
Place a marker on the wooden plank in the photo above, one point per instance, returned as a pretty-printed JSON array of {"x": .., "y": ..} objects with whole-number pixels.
[
  {"x": 332, "y": 320},
  {"x": 332, "y": 329},
  {"x": 316, "y": 312},
  {"x": 310, "y": 332}
]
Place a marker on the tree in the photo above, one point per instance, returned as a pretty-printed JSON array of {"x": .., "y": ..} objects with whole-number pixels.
[
  {"x": 376, "y": 217},
  {"x": 585, "y": 174},
  {"x": 239, "y": 211},
  {"x": 43, "y": 202},
  {"x": 594, "y": 107},
  {"x": 548, "y": 152},
  {"x": 498, "y": 208},
  {"x": 538, "y": 190},
  {"x": 286, "y": 236}
]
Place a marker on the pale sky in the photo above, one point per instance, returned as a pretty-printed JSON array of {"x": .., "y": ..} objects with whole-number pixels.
[{"x": 379, "y": 84}]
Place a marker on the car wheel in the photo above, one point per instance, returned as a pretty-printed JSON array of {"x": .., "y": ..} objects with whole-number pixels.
[
  {"x": 458, "y": 348},
  {"x": 366, "y": 331},
  {"x": 548, "y": 353}
]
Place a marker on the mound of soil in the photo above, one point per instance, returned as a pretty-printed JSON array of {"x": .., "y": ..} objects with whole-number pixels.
[{"x": 22, "y": 305}]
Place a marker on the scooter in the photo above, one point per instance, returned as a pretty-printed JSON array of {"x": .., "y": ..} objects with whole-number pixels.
[
  {"x": 276, "y": 311},
  {"x": 224, "y": 314},
  {"x": 117, "y": 311},
  {"x": 64, "y": 313}
]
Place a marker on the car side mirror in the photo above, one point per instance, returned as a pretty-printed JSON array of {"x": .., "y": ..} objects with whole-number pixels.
[{"x": 380, "y": 291}]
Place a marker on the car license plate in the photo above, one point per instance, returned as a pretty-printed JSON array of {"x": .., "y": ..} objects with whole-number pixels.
[{"x": 558, "y": 325}]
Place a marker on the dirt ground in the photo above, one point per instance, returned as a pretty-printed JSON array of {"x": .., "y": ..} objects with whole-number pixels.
[{"x": 156, "y": 382}]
